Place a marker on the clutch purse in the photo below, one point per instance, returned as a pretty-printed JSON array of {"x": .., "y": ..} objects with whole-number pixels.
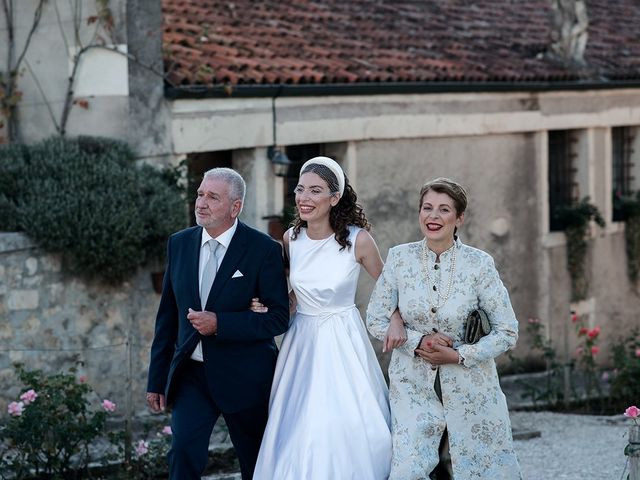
[{"x": 476, "y": 326}]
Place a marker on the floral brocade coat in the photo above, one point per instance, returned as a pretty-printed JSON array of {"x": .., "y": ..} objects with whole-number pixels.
[{"x": 473, "y": 408}]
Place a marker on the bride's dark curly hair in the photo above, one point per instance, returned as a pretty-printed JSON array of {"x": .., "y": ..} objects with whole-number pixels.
[{"x": 346, "y": 212}]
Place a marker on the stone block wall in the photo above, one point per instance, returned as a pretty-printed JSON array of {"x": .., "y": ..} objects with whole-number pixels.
[{"x": 50, "y": 320}]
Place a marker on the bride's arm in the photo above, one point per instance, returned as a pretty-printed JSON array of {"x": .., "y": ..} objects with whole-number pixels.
[{"x": 368, "y": 255}]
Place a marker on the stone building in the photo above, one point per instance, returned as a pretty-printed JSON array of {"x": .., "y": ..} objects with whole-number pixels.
[{"x": 497, "y": 96}]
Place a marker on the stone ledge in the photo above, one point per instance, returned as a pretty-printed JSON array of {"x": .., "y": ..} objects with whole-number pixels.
[{"x": 13, "y": 241}]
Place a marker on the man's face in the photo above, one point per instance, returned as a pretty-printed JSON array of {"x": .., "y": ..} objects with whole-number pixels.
[{"x": 215, "y": 211}]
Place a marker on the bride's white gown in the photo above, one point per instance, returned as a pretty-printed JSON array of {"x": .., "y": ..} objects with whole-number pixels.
[{"x": 328, "y": 412}]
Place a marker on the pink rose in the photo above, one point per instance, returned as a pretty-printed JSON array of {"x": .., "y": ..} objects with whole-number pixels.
[
  {"x": 108, "y": 405},
  {"x": 29, "y": 396},
  {"x": 82, "y": 379},
  {"x": 593, "y": 333},
  {"x": 595, "y": 350},
  {"x": 142, "y": 447},
  {"x": 167, "y": 430},
  {"x": 632, "y": 412},
  {"x": 574, "y": 317},
  {"x": 582, "y": 331},
  {"x": 15, "y": 409},
  {"x": 638, "y": 352}
]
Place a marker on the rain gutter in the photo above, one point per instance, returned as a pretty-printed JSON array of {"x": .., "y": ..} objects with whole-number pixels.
[{"x": 317, "y": 90}]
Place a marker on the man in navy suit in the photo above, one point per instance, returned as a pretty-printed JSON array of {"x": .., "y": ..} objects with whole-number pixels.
[{"x": 211, "y": 355}]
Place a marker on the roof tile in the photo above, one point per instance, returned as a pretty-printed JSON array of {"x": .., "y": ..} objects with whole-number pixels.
[{"x": 337, "y": 41}]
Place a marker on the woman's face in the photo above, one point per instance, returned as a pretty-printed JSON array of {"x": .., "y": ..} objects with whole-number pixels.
[
  {"x": 313, "y": 198},
  {"x": 438, "y": 218}
]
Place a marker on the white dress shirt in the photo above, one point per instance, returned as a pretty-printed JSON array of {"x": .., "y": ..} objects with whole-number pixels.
[{"x": 224, "y": 239}]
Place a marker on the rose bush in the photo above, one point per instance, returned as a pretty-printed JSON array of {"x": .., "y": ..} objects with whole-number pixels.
[{"x": 49, "y": 430}]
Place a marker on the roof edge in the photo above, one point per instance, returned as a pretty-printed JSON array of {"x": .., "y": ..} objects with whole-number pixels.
[{"x": 306, "y": 90}]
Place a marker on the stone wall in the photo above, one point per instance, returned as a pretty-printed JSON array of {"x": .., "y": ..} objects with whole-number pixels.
[{"x": 50, "y": 320}]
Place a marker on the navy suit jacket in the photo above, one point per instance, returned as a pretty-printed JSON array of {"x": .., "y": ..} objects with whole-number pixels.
[{"x": 240, "y": 359}]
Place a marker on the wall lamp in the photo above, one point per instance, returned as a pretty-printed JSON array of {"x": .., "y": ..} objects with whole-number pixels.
[{"x": 279, "y": 159}]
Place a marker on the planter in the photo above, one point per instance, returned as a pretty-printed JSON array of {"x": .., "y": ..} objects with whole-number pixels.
[{"x": 633, "y": 450}]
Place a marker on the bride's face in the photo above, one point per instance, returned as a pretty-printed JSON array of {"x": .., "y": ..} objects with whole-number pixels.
[{"x": 313, "y": 198}]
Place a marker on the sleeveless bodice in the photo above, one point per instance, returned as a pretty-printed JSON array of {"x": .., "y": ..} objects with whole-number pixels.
[{"x": 323, "y": 277}]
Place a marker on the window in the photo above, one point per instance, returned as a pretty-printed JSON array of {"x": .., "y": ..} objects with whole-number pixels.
[
  {"x": 563, "y": 187},
  {"x": 622, "y": 139}
]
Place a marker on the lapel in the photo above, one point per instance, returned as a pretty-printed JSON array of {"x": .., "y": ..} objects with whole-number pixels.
[{"x": 236, "y": 250}]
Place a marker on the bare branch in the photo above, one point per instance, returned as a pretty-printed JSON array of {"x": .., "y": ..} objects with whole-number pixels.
[
  {"x": 62, "y": 34},
  {"x": 7, "y": 5},
  {"x": 37, "y": 16},
  {"x": 68, "y": 101}
]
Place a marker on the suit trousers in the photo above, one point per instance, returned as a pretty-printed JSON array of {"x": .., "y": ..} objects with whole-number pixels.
[{"x": 194, "y": 414}]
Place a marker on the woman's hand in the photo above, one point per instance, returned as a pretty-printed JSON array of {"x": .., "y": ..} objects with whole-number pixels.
[
  {"x": 257, "y": 307},
  {"x": 437, "y": 354},
  {"x": 428, "y": 341},
  {"x": 396, "y": 333}
]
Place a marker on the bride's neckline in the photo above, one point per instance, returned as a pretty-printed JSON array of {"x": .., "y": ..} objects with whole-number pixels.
[{"x": 318, "y": 239}]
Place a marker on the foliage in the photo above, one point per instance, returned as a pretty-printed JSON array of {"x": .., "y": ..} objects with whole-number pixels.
[
  {"x": 586, "y": 352},
  {"x": 11, "y": 171},
  {"x": 585, "y": 391},
  {"x": 552, "y": 392},
  {"x": 49, "y": 430},
  {"x": 149, "y": 459},
  {"x": 625, "y": 387},
  {"x": 629, "y": 208},
  {"x": 576, "y": 218},
  {"x": 86, "y": 199}
]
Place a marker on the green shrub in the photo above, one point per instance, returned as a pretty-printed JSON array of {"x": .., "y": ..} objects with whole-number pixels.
[
  {"x": 625, "y": 387},
  {"x": 12, "y": 166},
  {"x": 86, "y": 199},
  {"x": 49, "y": 430},
  {"x": 149, "y": 454}
]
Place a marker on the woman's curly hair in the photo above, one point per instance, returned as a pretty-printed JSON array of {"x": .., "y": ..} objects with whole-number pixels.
[{"x": 346, "y": 212}]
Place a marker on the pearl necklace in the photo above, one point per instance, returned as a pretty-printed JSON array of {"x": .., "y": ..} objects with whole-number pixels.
[{"x": 440, "y": 299}]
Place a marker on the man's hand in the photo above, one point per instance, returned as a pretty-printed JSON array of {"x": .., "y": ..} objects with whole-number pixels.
[
  {"x": 206, "y": 323},
  {"x": 156, "y": 402}
]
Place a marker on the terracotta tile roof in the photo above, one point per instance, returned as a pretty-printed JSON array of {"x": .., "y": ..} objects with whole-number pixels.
[{"x": 267, "y": 42}]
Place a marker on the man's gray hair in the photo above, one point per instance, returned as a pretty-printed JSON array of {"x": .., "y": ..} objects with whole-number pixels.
[{"x": 237, "y": 185}]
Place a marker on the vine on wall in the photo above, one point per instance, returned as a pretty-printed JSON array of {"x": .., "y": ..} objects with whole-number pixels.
[
  {"x": 16, "y": 63},
  {"x": 629, "y": 206},
  {"x": 576, "y": 218}
]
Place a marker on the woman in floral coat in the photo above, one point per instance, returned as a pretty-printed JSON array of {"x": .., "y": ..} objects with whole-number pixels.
[{"x": 445, "y": 396}]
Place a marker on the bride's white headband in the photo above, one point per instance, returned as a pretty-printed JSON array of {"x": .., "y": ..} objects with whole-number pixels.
[{"x": 331, "y": 165}]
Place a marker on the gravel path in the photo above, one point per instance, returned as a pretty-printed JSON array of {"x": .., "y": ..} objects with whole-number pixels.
[{"x": 571, "y": 447}]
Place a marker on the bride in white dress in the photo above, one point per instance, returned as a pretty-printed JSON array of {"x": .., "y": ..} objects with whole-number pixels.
[{"x": 329, "y": 412}]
